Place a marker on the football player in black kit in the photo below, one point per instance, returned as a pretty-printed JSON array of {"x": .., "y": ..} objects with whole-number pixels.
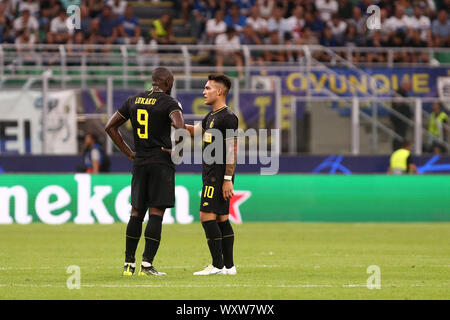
[
  {"x": 218, "y": 176},
  {"x": 153, "y": 183}
]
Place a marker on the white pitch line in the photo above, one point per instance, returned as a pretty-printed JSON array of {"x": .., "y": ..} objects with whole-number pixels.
[
  {"x": 207, "y": 286},
  {"x": 121, "y": 266},
  {"x": 173, "y": 286},
  {"x": 238, "y": 266}
]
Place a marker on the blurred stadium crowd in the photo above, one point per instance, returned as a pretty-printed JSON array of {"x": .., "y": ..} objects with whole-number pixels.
[{"x": 332, "y": 23}]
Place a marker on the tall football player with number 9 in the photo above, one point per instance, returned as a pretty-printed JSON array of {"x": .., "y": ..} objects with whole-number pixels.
[{"x": 153, "y": 182}]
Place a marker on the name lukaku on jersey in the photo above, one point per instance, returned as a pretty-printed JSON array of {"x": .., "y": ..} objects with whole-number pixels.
[{"x": 141, "y": 100}]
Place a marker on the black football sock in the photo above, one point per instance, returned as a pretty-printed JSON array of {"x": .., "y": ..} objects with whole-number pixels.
[
  {"x": 227, "y": 242},
  {"x": 133, "y": 234},
  {"x": 214, "y": 237},
  {"x": 152, "y": 237}
]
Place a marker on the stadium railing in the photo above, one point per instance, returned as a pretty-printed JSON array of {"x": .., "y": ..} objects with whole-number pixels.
[
  {"x": 361, "y": 111},
  {"x": 126, "y": 66},
  {"x": 97, "y": 62}
]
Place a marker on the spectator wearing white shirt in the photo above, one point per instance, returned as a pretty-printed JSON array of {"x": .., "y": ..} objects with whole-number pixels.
[
  {"x": 257, "y": 23},
  {"x": 228, "y": 51},
  {"x": 27, "y": 21},
  {"x": 24, "y": 40},
  {"x": 295, "y": 23},
  {"x": 294, "y": 26},
  {"x": 215, "y": 27},
  {"x": 326, "y": 8},
  {"x": 278, "y": 24},
  {"x": 255, "y": 32},
  {"x": 59, "y": 32},
  {"x": 397, "y": 22},
  {"x": 25, "y": 47},
  {"x": 338, "y": 27},
  {"x": 118, "y": 6},
  {"x": 30, "y": 5},
  {"x": 422, "y": 24},
  {"x": 266, "y": 8}
]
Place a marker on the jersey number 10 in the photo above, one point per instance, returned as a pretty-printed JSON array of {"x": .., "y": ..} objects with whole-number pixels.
[
  {"x": 142, "y": 119},
  {"x": 209, "y": 192}
]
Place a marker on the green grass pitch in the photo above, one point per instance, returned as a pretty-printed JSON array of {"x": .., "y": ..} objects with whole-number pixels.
[{"x": 274, "y": 261}]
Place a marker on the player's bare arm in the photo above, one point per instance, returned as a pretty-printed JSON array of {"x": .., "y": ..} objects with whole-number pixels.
[
  {"x": 177, "y": 119},
  {"x": 177, "y": 123},
  {"x": 193, "y": 130},
  {"x": 112, "y": 129},
  {"x": 95, "y": 166},
  {"x": 231, "y": 159}
]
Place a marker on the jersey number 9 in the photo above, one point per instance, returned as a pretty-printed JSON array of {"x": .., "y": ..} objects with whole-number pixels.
[{"x": 142, "y": 119}]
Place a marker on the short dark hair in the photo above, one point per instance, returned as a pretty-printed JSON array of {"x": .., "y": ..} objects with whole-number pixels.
[
  {"x": 221, "y": 78},
  {"x": 93, "y": 136},
  {"x": 406, "y": 143},
  {"x": 161, "y": 74},
  {"x": 230, "y": 29}
]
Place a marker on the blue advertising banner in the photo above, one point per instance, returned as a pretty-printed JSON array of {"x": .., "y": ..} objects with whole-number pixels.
[
  {"x": 329, "y": 164},
  {"x": 257, "y": 109},
  {"x": 346, "y": 82}
]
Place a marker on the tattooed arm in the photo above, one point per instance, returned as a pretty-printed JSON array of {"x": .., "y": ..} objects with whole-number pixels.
[{"x": 231, "y": 160}]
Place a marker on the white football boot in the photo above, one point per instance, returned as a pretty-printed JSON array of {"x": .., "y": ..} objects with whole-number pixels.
[
  {"x": 209, "y": 270},
  {"x": 231, "y": 271}
]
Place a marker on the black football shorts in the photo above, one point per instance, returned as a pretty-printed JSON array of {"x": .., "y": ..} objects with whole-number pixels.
[
  {"x": 153, "y": 186},
  {"x": 212, "y": 198}
]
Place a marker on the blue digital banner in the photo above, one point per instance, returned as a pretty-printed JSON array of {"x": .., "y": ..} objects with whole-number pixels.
[
  {"x": 347, "y": 82},
  {"x": 330, "y": 164}
]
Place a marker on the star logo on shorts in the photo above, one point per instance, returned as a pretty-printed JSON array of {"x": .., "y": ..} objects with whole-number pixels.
[{"x": 238, "y": 198}]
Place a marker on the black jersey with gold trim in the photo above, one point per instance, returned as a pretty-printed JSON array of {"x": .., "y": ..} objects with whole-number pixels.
[
  {"x": 149, "y": 113},
  {"x": 221, "y": 120}
]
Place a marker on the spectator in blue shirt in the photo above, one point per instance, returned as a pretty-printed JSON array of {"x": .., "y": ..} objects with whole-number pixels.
[
  {"x": 203, "y": 11},
  {"x": 129, "y": 27},
  {"x": 244, "y": 6},
  {"x": 236, "y": 19},
  {"x": 440, "y": 29},
  {"x": 107, "y": 26},
  {"x": 85, "y": 22},
  {"x": 313, "y": 23},
  {"x": 327, "y": 40},
  {"x": 104, "y": 29}
]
